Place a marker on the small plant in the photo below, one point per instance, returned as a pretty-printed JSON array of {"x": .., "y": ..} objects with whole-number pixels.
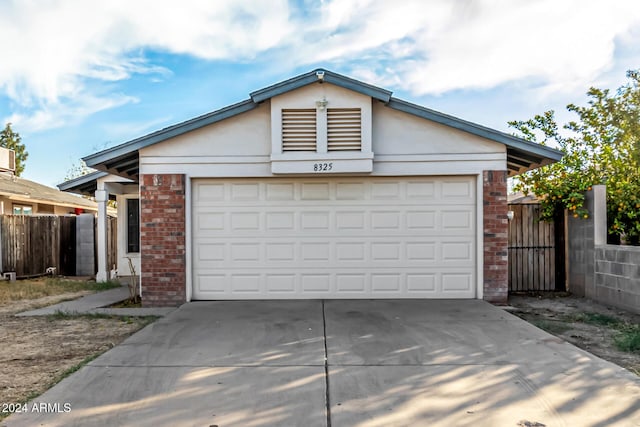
[
  {"x": 628, "y": 339},
  {"x": 134, "y": 295},
  {"x": 596, "y": 319}
]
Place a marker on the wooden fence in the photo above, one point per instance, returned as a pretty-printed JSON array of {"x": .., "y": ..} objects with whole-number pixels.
[
  {"x": 536, "y": 250},
  {"x": 31, "y": 244}
]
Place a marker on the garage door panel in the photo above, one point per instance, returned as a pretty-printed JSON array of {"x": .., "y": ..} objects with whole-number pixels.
[
  {"x": 315, "y": 191},
  {"x": 209, "y": 192},
  {"x": 458, "y": 189},
  {"x": 350, "y": 191},
  {"x": 452, "y": 251},
  {"x": 334, "y": 238},
  {"x": 358, "y": 284},
  {"x": 245, "y": 191},
  {"x": 448, "y": 221},
  {"x": 457, "y": 282},
  {"x": 334, "y": 252}
]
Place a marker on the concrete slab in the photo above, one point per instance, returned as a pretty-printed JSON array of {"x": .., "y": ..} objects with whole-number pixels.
[
  {"x": 259, "y": 363},
  {"x": 431, "y": 332},
  {"x": 84, "y": 304},
  {"x": 475, "y": 395},
  {"x": 184, "y": 396},
  {"x": 98, "y": 304},
  {"x": 134, "y": 311},
  {"x": 228, "y": 333}
]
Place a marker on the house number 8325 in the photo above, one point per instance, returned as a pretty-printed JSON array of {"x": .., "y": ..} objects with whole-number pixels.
[{"x": 322, "y": 167}]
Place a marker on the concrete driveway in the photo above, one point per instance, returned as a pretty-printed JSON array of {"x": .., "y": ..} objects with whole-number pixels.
[{"x": 341, "y": 363}]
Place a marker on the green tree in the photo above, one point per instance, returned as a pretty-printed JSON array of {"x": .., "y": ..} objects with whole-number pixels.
[
  {"x": 12, "y": 140},
  {"x": 601, "y": 147}
]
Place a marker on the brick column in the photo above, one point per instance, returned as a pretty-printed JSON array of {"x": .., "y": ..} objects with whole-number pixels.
[
  {"x": 162, "y": 240},
  {"x": 495, "y": 232}
]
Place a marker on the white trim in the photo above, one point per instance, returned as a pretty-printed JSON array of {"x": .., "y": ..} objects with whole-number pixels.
[
  {"x": 172, "y": 160},
  {"x": 187, "y": 239},
  {"x": 469, "y": 167},
  {"x": 122, "y": 244},
  {"x": 380, "y": 168},
  {"x": 480, "y": 235},
  {"x": 451, "y": 157},
  {"x": 379, "y": 158}
]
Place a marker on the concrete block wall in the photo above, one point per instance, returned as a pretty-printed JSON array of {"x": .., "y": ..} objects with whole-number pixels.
[
  {"x": 617, "y": 276},
  {"x": 608, "y": 274},
  {"x": 581, "y": 268},
  {"x": 496, "y": 236},
  {"x": 85, "y": 245}
]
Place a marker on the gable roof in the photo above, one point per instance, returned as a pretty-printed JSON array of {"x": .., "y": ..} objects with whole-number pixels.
[
  {"x": 123, "y": 159},
  {"x": 26, "y": 191}
]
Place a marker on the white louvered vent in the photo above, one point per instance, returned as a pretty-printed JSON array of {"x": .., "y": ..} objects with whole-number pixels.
[
  {"x": 299, "y": 129},
  {"x": 344, "y": 129}
]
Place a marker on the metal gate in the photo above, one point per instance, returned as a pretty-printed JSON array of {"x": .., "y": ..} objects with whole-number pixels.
[{"x": 536, "y": 250}]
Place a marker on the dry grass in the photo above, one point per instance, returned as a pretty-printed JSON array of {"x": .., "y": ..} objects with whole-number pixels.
[
  {"x": 38, "y": 288},
  {"x": 37, "y": 352}
]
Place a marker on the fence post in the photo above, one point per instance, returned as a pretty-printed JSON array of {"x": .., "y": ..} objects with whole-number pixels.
[{"x": 599, "y": 215}]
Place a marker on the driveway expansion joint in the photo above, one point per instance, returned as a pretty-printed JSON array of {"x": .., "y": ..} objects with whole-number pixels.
[{"x": 326, "y": 366}]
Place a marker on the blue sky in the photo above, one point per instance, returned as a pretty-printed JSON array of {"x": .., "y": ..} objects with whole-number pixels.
[{"x": 79, "y": 76}]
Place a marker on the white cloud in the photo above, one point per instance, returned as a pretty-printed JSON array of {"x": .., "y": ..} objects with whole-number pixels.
[
  {"x": 55, "y": 114},
  {"x": 60, "y": 49},
  {"x": 431, "y": 47}
]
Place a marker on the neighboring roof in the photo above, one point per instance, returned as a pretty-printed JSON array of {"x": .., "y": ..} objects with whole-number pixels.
[
  {"x": 23, "y": 190},
  {"x": 122, "y": 160}
]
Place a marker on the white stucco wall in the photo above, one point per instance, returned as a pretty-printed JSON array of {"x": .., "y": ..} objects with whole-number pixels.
[
  {"x": 402, "y": 143},
  {"x": 399, "y": 133}
]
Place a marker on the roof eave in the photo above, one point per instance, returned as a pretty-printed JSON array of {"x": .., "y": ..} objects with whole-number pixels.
[
  {"x": 538, "y": 155},
  {"x": 123, "y": 151},
  {"x": 80, "y": 180}
]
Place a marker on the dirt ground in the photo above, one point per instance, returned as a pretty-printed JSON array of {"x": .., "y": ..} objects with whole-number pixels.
[
  {"x": 37, "y": 351},
  {"x": 558, "y": 314}
]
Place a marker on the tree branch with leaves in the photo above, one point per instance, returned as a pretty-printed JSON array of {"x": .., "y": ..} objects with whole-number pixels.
[
  {"x": 602, "y": 146},
  {"x": 12, "y": 140}
]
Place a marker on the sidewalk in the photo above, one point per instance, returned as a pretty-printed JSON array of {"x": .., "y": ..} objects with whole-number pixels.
[{"x": 96, "y": 303}]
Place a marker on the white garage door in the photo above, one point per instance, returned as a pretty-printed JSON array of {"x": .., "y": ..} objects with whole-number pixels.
[{"x": 334, "y": 238}]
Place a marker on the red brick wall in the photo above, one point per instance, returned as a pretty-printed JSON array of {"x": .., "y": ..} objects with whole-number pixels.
[
  {"x": 496, "y": 228},
  {"x": 162, "y": 239}
]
